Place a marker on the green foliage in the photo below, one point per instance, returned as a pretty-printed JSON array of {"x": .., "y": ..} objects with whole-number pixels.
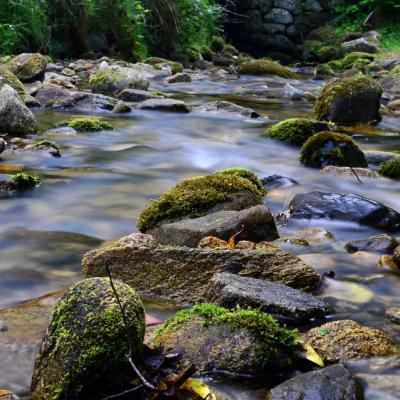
[
  {"x": 390, "y": 168},
  {"x": 126, "y": 27},
  {"x": 195, "y": 196},
  {"x": 87, "y": 124},
  {"x": 264, "y": 327}
]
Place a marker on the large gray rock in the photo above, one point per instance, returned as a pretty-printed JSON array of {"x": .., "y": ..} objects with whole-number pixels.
[
  {"x": 284, "y": 302},
  {"x": 378, "y": 244},
  {"x": 183, "y": 274},
  {"x": 168, "y": 105},
  {"x": 358, "y": 45},
  {"x": 83, "y": 354},
  {"x": 345, "y": 207},
  {"x": 135, "y": 95},
  {"x": 15, "y": 116},
  {"x": 379, "y": 377},
  {"x": 377, "y": 157},
  {"x": 279, "y": 16},
  {"x": 258, "y": 222},
  {"x": 29, "y": 67},
  {"x": 331, "y": 383}
]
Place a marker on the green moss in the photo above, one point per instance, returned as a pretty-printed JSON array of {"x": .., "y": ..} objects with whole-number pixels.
[
  {"x": 11, "y": 80},
  {"x": 390, "y": 168},
  {"x": 352, "y": 60},
  {"x": 357, "y": 85},
  {"x": 228, "y": 49},
  {"x": 295, "y": 130},
  {"x": 195, "y": 196},
  {"x": 87, "y": 124},
  {"x": 25, "y": 181},
  {"x": 336, "y": 65},
  {"x": 217, "y": 43},
  {"x": 331, "y": 148},
  {"x": 207, "y": 53},
  {"x": 395, "y": 70},
  {"x": 176, "y": 68},
  {"x": 244, "y": 173},
  {"x": 156, "y": 60},
  {"x": 104, "y": 77},
  {"x": 265, "y": 67},
  {"x": 263, "y": 327},
  {"x": 327, "y": 53},
  {"x": 92, "y": 348},
  {"x": 158, "y": 93},
  {"x": 324, "y": 71}
]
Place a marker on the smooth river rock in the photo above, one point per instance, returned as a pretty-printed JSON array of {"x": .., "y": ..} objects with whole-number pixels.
[
  {"x": 345, "y": 207},
  {"x": 258, "y": 222},
  {"x": 183, "y": 274},
  {"x": 378, "y": 244},
  {"x": 332, "y": 383},
  {"x": 283, "y": 302}
]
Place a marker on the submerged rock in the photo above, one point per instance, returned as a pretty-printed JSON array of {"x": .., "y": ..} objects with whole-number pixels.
[
  {"x": 83, "y": 354},
  {"x": 283, "y": 302},
  {"x": 183, "y": 274},
  {"x": 29, "y": 67},
  {"x": 349, "y": 100},
  {"x": 393, "y": 314},
  {"x": 378, "y": 244},
  {"x": 345, "y": 207},
  {"x": 295, "y": 130},
  {"x": 229, "y": 189},
  {"x": 216, "y": 339},
  {"x": 221, "y": 106},
  {"x": 256, "y": 223},
  {"x": 179, "y": 77},
  {"x": 331, "y": 148},
  {"x": 332, "y": 383},
  {"x": 167, "y": 105},
  {"x": 313, "y": 235},
  {"x": 345, "y": 340},
  {"x": 15, "y": 116}
]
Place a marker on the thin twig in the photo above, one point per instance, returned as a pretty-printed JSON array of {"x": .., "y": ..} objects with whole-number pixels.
[
  {"x": 355, "y": 173},
  {"x": 114, "y": 396},
  {"x": 129, "y": 338}
]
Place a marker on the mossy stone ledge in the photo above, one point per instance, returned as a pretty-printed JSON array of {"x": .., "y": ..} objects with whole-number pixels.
[
  {"x": 229, "y": 189},
  {"x": 295, "y": 130},
  {"x": 349, "y": 101},
  {"x": 332, "y": 148},
  {"x": 265, "y": 67},
  {"x": 83, "y": 353},
  {"x": 241, "y": 340}
]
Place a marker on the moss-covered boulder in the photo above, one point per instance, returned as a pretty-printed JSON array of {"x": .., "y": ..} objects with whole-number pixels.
[
  {"x": 265, "y": 67},
  {"x": 87, "y": 124},
  {"x": 29, "y": 66},
  {"x": 323, "y": 71},
  {"x": 240, "y": 341},
  {"x": 24, "y": 181},
  {"x": 390, "y": 168},
  {"x": 15, "y": 116},
  {"x": 83, "y": 354},
  {"x": 349, "y": 100},
  {"x": 295, "y": 130},
  {"x": 332, "y": 148},
  {"x": 112, "y": 80},
  {"x": 176, "y": 68},
  {"x": 345, "y": 340},
  {"x": 230, "y": 189}
]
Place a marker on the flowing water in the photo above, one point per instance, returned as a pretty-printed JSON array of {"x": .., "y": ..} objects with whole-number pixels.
[{"x": 94, "y": 193}]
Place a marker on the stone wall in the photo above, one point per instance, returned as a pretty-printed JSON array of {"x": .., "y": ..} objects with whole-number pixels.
[{"x": 262, "y": 26}]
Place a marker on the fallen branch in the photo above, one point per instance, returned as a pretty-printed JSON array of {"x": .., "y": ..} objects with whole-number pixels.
[{"x": 355, "y": 173}]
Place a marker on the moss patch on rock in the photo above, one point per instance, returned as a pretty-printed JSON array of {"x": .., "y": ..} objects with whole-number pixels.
[
  {"x": 295, "y": 130},
  {"x": 331, "y": 148},
  {"x": 353, "y": 99},
  {"x": 235, "y": 339},
  {"x": 87, "y": 124},
  {"x": 244, "y": 173},
  {"x": 195, "y": 196},
  {"x": 390, "y": 169},
  {"x": 83, "y": 354},
  {"x": 25, "y": 181},
  {"x": 265, "y": 67},
  {"x": 176, "y": 68},
  {"x": 10, "y": 79},
  {"x": 355, "y": 59}
]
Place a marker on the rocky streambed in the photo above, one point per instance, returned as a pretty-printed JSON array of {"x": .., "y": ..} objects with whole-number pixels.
[{"x": 309, "y": 247}]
